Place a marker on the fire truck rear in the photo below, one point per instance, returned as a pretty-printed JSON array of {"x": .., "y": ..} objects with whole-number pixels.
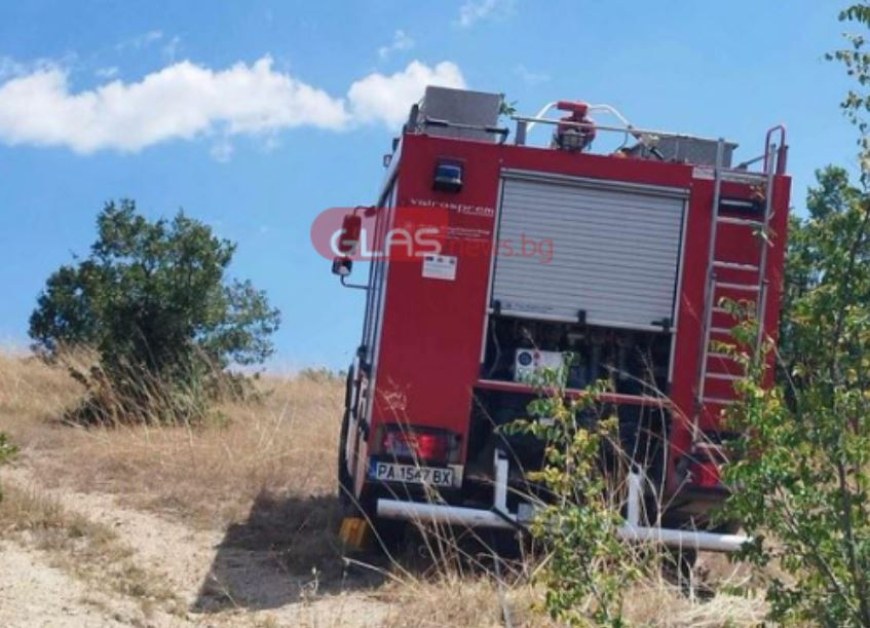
[{"x": 492, "y": 259}]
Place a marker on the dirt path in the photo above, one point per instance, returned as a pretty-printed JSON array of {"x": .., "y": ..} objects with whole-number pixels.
[
  {"x": 219, "y": 583},
  {"x": 32, "y": 593}
]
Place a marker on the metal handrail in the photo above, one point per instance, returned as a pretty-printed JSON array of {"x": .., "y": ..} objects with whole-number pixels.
[
  {"x": 781, "y": 151},
  {"x": 539, "y": 117},
  {"x": 636, "y": 131}
]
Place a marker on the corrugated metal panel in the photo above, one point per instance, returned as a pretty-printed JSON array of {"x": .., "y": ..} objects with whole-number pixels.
[{"x": 614, "y": 253}]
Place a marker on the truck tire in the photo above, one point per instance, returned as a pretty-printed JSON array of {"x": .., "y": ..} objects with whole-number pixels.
[
  {"x": 390, "y": 534},
  {"x": 345, "y": 481}
]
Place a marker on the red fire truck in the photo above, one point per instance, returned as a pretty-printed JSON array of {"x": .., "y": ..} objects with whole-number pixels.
[{"x": 515, "y": 254}]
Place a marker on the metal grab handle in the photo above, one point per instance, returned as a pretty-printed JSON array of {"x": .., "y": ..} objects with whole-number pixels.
[
  {"x": 539, "y": 117},
  {"x": 439, "y": 122},
  {"x": 781, "y": 149}
]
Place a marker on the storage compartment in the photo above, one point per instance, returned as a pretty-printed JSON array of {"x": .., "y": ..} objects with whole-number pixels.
[
  {"x": 602, "y": 253},
  {"x": 635, "y": 362}
]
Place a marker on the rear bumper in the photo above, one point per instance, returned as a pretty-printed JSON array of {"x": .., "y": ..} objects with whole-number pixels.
[
  {"x": 499, "y": 517},
  {"x": 445, "y": 515}
]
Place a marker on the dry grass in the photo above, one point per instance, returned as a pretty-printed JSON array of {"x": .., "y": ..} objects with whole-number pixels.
[
  {"x": 481, "y": 601},
  {"x": 208, "y": 476},
  {"x": 265, "y": 474},
  {"x": 659, "y": 603},
  {"x": 453, "y": 601}
]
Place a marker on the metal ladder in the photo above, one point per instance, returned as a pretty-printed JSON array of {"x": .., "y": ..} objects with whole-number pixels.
[{"x": 755, "y": 288}]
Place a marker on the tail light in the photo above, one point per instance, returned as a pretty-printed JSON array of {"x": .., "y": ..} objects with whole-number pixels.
[
  {"x": 705, "y": 474},
  {"x": 418, "y": 445},
  {"x": 705, "y": 464}
]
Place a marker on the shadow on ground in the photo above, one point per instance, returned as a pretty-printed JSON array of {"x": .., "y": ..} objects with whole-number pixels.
[{"x": 286, "y": 551}]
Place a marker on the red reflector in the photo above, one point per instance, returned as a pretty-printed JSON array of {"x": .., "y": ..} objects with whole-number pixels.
[
  {"x": 410, "y": 444},
  {"x": 706, "y": 474}
]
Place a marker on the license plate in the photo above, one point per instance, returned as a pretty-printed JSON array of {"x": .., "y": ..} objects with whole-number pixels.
[{"x": 412, "y": 474}]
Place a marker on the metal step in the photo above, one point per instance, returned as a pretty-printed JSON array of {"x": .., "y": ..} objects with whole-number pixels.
[
  {"x": 724, "y": 376},
  {"x": 743, "y": 176},
  {"x": 714, "y": 344},
  {"x": 735, "y": 266},
  {"x": 718, "y": 401},
  {"x": 721, "y": 356},
  {"x": 720, "y": 330},
  {"x": 748, "y": 287},
  {"x": 741, "y": 222}
]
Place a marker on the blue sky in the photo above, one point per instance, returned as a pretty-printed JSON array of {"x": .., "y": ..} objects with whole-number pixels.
[{"x": 253, "y": 116}]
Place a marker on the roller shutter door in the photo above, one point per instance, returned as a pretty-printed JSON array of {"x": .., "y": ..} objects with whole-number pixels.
[{"x": 615, "y": 250}]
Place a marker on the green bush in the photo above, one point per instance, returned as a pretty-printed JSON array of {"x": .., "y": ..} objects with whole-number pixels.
[
  {"x": 802, "y": 475},
  {"x": 153, "y": 300},
  {"x": 588, "y": 569}
]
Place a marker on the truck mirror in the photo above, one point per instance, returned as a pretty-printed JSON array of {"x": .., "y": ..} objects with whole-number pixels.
[
  {"x": 351, "y": 229},
  {"x": 342, "y": 266}
]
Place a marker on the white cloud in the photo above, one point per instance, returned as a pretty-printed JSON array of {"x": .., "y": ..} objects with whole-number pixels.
[
  {"x": 106, "y": 73},
  {"x": 170, "y": 50},
  {"x": 475, "y": 10},
  {"x": 380, "y": 98},
  {"x": 185, "y": 101},
  {"x": 529, "y": 77},
  {"x": 401, "y": 41},
  {"x": 142, "y": 40},
  {"x": 179, "y": 101},
  {"x": 10, "y": 67}
]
